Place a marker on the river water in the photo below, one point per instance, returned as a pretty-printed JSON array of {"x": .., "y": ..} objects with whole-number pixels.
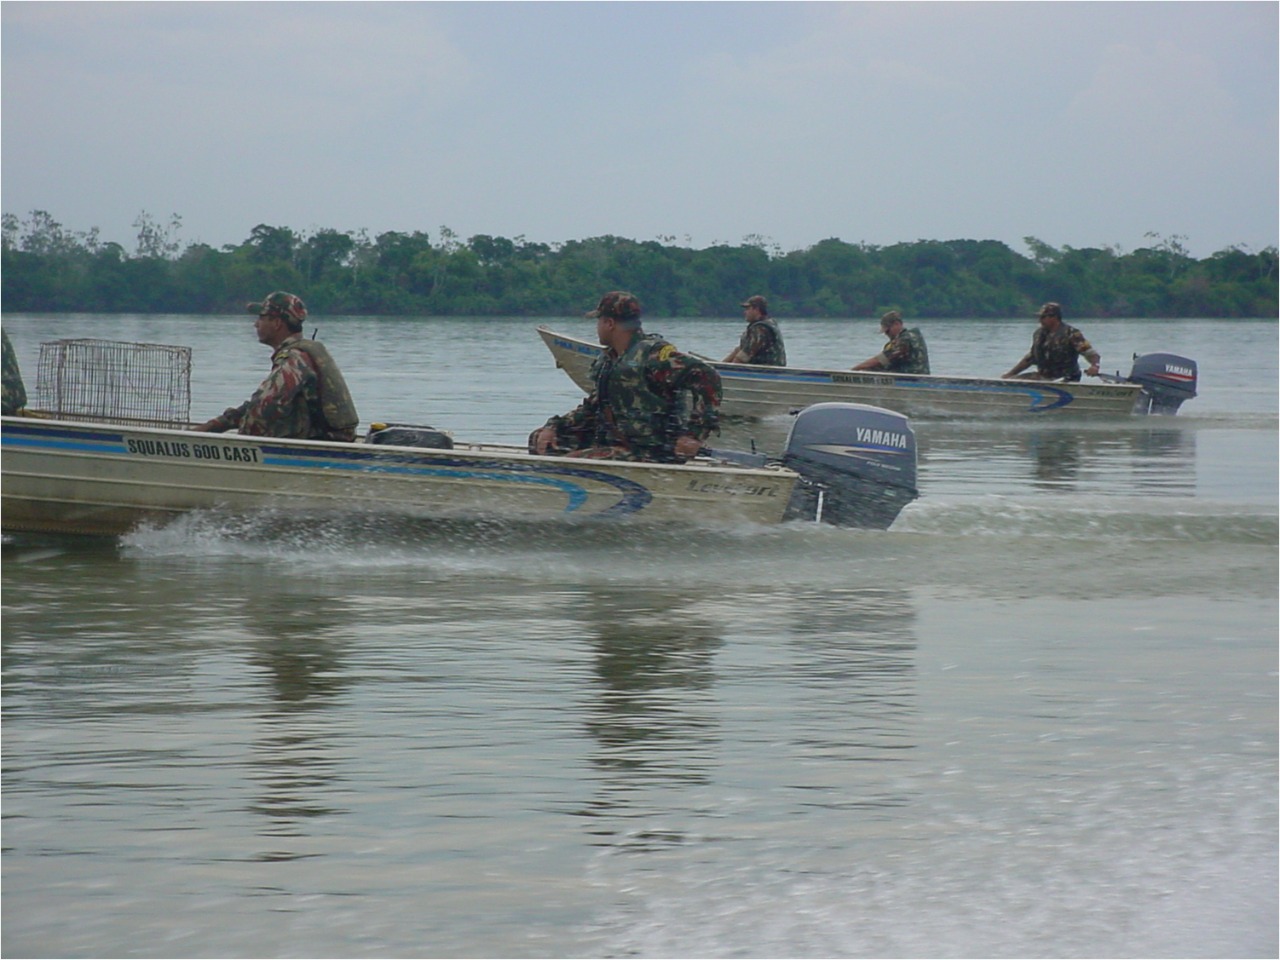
[{"x": 1037, "y": 717}]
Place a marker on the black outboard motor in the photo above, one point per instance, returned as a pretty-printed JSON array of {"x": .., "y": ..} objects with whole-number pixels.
[
  {"x": 1166, "y": 381},
  {"x": 858, "y": 463}
]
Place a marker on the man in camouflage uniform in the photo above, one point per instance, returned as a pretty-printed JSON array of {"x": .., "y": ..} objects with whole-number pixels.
[
  {"x": 649, "y": 402},
  {"x": 15, "y": 392},
  {"x": 761, "y": 342},
  {"x": 305, "y": 395},
  {"x": 904, "y": 353},
  {"x": 1055, "y": 350}
]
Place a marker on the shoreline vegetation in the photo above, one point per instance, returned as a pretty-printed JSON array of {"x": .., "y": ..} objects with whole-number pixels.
[{"x": 46, "y": 268}]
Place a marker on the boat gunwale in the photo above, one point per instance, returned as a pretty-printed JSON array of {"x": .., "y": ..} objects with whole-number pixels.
[{"x": 363, "y": 450}]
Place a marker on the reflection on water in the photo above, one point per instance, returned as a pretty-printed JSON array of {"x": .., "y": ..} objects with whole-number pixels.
[
  {"x": 1156, "y": 461},
  {"x": 290, "y": 646},
  {"x": 516, "y": 742},
  {"x": 652, "y": 714},
  {"x": 653, "y": 666},
  {"x": 292, "y": 760},
  {"x": 830, "y": 677},
  {"x": 1138, "y": 456},
  {"x": 75, "y": 616},
  {"x": 854, "y": 653},
  {"x": 1056, "y": 459}
]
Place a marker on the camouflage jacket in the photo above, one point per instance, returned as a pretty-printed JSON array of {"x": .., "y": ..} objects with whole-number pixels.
[
  {"x": 643, "y": 401},
  {"x": 304, "y": 396},
  {"x": 762, "y": 344},
  {"x": 15, "y": 392},
  {"x": 906, "y": 353},
  {"x": 1056, "y": 353}
]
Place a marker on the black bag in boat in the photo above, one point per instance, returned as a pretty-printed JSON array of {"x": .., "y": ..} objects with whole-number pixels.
[{"x": 410, "y": 435}]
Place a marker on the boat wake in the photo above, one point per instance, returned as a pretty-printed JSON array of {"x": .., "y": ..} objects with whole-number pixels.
[{"x": 372, "y": 539}]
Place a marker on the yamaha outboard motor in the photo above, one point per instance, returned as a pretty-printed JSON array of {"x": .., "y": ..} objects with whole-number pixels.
[
  {"x": 858, "y": 463},
  {"x": 1166, "y": 381}
]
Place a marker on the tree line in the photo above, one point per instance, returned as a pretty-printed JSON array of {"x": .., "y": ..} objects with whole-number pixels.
[{"x": 48, "y": 268}]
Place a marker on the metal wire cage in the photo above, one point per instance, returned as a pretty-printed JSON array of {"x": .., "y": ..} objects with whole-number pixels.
[{"x": 139, "y": 384}]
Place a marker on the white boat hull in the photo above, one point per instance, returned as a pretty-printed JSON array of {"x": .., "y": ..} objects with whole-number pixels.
[
  {"x": 754, "y": 391},
  {"x": 85, "y": 478}
]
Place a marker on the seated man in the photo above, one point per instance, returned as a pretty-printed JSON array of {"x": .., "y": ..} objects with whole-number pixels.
[
  {"x": 761, "y": 342},
  {"x": 15, "y": 391},
  {"x": 649, "y": 402},
  {"x": 1055, "y": 351},
  {"x": 904, "y": 353},
  {"x": 305, "y": 395}
]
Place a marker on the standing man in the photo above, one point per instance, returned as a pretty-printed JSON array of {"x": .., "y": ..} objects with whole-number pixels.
[
  {"x": 1055, "y": 350},
  {"x": 305, "y": 395},
  {"x": 761, "y": 342},
  {"x": 649, "y": 400},
  {"x": 904, "y": 353}
]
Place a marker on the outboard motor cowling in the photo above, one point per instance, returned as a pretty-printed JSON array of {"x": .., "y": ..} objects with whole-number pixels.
[
  {"x": 1167, "y": 380},
  {"x": 858, "y": 463}
]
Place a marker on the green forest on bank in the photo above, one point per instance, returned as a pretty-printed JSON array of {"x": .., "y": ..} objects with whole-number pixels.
[{"x": 48, "y": 268}]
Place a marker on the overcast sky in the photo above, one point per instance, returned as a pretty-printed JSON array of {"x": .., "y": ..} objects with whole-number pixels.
[{"x": 1082, "y": 124}]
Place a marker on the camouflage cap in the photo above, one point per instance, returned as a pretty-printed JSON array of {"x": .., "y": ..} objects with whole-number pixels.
[
  {"x": 1051, "y": 309},
  {"x": 760, "y": 303},
  {"x": 284, "y": 305},
  {"x": 893, "y": 316},
  {"x": 617, "y": 304}
]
